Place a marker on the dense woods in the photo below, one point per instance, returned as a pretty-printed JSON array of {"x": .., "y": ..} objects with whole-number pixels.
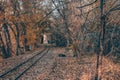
[{"x": 85, "y": 26}]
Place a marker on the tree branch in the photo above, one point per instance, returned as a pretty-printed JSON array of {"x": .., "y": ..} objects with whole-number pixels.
[
  {"x": 42, "y": 20},
  {"x": 88, "y": 4}
]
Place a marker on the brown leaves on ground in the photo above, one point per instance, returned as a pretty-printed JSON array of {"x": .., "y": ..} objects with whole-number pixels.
[
  {"x": 70, "y": 68},
  {"x": 111, "y": 71}
]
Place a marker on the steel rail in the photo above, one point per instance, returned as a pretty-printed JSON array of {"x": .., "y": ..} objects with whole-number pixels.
[
  {"x": 17, "y": 66},
  {"x": 23, "y": 72}
]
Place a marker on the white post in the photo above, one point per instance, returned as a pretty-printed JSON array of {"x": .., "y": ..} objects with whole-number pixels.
[{"x": 45, "y": 39}]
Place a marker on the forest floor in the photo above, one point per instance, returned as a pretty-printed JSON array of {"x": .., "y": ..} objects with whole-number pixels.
[{"x": 53, "y": 67}]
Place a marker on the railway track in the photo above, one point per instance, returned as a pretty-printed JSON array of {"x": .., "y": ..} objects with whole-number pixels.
[{"x": 16, "y": 72}]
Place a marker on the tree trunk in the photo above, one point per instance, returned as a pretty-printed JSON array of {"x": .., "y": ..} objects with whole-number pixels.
[
  {"x": 101, "y": 41},
  {"x": 24, "y": 34},
  {"x": 4, "y": 52},
  {"x": 7, "y": 38},
  {"x": 17, "y": 40}
]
